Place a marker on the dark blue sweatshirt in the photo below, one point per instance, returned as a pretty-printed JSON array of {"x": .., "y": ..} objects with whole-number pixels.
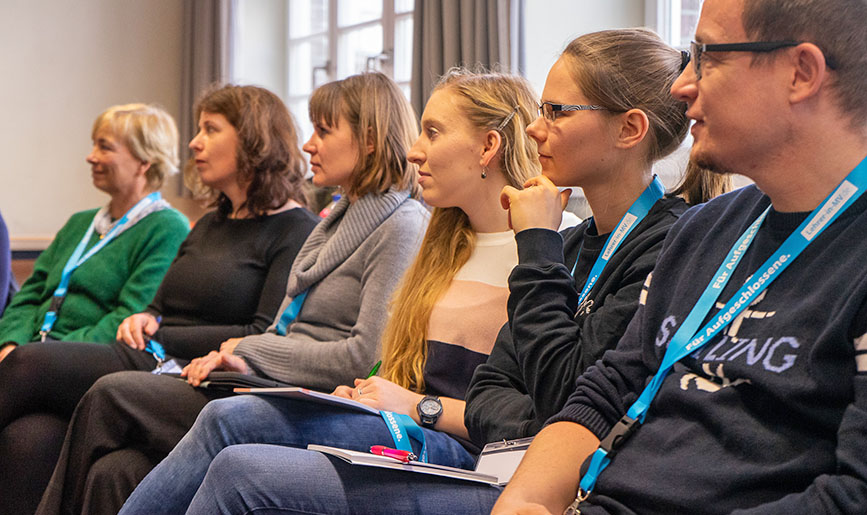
[
  {"x": 549, "y": 339},
  {"x": 768, "y": 417}
]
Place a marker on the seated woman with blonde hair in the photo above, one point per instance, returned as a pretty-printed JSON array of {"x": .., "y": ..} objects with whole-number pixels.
[{"x": 105, "y": 264}]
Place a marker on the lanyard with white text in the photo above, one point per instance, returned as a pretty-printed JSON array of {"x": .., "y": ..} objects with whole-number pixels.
[
  {"x": 402, "y": 428},
  {"x": 637, "y": 211},
  {"x": 76, "y": 259},
  {"x": 291, "y": 312},
  {"x": 687, "y": 340}
]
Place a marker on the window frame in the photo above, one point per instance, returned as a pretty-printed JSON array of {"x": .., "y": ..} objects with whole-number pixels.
[
  {"x": 666, "y": 18},
  {"x": 384, "y": 61}
]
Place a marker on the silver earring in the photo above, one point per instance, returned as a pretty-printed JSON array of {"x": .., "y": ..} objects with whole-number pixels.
[{"x": 484, "y": 172}]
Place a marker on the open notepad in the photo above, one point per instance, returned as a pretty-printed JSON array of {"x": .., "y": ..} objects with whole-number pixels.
[
  {"x": 496, "y": 464},
  {"x": 297, "y": 392}
]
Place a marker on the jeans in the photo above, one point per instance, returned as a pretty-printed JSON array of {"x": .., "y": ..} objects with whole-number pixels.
[
  {"x": 271, "y": 420},
  {"x": 265, "y": 479}
]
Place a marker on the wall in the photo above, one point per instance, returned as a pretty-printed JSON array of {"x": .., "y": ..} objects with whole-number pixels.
[
  {"x": 551, "y": 24},
  {"x": 63, "y": 63}
]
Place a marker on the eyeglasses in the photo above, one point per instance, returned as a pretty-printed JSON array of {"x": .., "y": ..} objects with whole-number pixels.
[
  {"x": 549, "y": 111},
  {"x": 696, "y": 49}
]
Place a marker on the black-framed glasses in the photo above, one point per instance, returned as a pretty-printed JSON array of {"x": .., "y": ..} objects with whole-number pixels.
[
  {"x": 697, "y": 49},
  {"x": 549, "y": 110}
]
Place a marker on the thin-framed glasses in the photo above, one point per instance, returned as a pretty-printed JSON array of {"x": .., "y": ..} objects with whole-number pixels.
[
  {"x": 697, "y": 49},
  {"x": 549, "y": 110}
]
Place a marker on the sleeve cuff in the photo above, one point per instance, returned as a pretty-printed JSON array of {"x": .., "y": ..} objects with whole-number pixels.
[
  {"x": 585, "y": 416},
  {"x": 539, "y": 247}
]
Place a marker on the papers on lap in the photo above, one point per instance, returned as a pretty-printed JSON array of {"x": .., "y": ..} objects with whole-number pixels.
[
  {"x": 496, "y": 464},
  {"x": 296, "y": 392},
  {"x": 372, "y": 460}
]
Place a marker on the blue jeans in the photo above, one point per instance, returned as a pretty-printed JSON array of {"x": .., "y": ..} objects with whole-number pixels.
[
  {"x": 265, "y": 479},
  {"x": 272, "y": 420}
]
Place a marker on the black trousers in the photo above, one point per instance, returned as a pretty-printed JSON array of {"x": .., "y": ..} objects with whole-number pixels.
[
  {"x": 122, "y": 428},
  {"x": 40, "y": 385}
]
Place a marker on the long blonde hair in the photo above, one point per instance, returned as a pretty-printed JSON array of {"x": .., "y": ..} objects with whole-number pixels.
[{"x": 492, "y": 101}]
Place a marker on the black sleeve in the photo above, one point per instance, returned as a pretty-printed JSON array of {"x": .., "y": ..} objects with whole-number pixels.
[
  {"x": 498, "y": 406},
  {"x": 552, "y": 345}
]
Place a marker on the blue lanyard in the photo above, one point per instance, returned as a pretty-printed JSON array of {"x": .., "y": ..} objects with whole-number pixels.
[
  {"x": 402, "y": 428},
  {"x": 291, "y": 312},
  {"x": 636, "y": 213},
  {"x": 76, "y": 259},
  {"x": 687, "y": 340}
]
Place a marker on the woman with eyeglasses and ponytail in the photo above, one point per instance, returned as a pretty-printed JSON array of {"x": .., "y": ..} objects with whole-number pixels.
[{"x": 605, "y": 118}]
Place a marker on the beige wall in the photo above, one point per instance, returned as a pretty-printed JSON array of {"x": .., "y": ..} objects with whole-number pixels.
[
  {"x": 62, "y": 63},
  {"x": 551, "y": 24}
]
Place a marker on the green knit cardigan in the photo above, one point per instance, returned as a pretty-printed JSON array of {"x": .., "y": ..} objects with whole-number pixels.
[{"x": 119, "y": 280}]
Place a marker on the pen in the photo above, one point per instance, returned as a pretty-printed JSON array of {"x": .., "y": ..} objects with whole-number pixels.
[
  {"x": 374, "y": 370},
  {"x": 402, "y": 456}
]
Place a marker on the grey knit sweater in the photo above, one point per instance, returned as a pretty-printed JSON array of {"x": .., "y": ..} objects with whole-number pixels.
[{"x": 351, "y": 263}]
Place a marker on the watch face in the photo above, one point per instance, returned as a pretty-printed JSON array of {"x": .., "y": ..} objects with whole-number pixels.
[{"x": 430, "y": 407}]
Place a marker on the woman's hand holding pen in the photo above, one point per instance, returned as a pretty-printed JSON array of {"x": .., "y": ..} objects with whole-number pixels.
[
  {"x": 136, "y": 329},
  {"x": 539, "y": 205},
  {"x": 381, "y": 394},
  {"x": 199, "y": 368}
]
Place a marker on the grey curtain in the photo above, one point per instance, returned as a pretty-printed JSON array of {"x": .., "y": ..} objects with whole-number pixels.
[
  {"x": 449, "y": 33},
  {"x": 207, "y": 49}
]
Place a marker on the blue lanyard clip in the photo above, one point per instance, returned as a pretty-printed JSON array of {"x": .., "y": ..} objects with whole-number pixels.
[
  {"x": 56, "y": 302},
  {"x": 618, "y": 435}
]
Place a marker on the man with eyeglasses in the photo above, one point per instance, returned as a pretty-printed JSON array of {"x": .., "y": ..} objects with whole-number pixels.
[{"x": 741, "y": 383}]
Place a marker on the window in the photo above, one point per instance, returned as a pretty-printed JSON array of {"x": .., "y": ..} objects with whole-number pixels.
[
  {"x": 332, "y": 39},
  {"x": 293, "y": 46},
  {"x": 674, "y": 20}
]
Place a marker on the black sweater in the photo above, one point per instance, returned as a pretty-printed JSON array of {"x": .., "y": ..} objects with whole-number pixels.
[
  {"x": 227, "y": 280},
  {"x": 768, "y": 417},
  {"x": 523, "y": 384}
]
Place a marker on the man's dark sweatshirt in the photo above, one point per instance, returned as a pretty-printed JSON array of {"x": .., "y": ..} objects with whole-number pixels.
[
  {"x": 549, "y": 339},
  {"x": 770, "y": 416}
]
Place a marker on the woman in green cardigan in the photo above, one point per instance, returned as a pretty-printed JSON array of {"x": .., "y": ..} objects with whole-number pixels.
[{"x": 76, "y": 294}]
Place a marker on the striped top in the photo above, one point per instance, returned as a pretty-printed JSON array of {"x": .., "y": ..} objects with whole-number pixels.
[{"x": 464, "y": 323}]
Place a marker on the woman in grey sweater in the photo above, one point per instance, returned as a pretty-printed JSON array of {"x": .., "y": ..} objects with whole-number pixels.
[{"x": 338, "y": 289}]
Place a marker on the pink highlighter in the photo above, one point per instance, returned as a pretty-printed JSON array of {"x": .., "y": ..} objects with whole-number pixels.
[{"x": 401, "y": 456}]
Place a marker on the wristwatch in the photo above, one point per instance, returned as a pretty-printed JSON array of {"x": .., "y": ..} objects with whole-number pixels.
[{"x": 429, "y": 410}]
